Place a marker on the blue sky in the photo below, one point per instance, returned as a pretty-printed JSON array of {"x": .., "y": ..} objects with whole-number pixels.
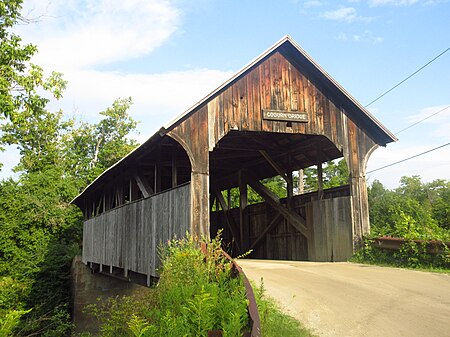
[{"x": 167, "y": 55}]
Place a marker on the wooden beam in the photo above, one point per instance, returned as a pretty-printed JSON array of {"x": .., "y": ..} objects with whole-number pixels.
[
  {"x": 290, "y": 189},
  {"x": 274, "y": 164},
  {"x": 272, "y": 199},
  {"x": 301, "y": 182},
  {"x": 319, "y": 181},
  {"x": 143, "y": 185},
  {"x": 263, "y": 143},
  {"x": 266, "y": 230},
  {"x": 174, "y": 169},
  {"x": 157, "y": 181},
  {"x": 243, "y": 203},
  {"x": 229, "y": 219}
]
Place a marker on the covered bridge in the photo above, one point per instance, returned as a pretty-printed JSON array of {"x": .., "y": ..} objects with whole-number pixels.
[{"x": 279, "y": 114}]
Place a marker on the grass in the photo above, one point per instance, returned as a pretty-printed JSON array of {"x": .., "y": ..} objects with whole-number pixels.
[
  {"x": 410, "y": 256},
  {"x": 195, "y": 295},
  {"x": 274, "y": 322},
  {"x": 384, "y": 263}
]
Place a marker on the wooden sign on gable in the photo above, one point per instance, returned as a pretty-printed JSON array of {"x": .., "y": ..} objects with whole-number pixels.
[{"x": 287, "y": 116}]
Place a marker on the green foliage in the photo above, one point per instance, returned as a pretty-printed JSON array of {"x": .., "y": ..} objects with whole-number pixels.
[
  {"x": 20, "y": 80},
  {"x": 195, "y": 294},
  {"x": 89, "y": 149},
  {"x": 409, "y": 211},
  {"x": 413, "y": 211},
  {"x": 274, "y": 322},
  {"x": 411, "y": 255},
  {"x": 40, "y": 231},
  {"x": 333, "y": 174},
  {"x": 139, "y": 327},
  {"x": 9, "y": 320}
]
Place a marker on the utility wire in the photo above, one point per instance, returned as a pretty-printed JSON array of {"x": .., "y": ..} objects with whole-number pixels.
[
  {"x": 407, "y": 78},
  {"x": 434, "y": 114},
  {"x": 415, "y": 156}
]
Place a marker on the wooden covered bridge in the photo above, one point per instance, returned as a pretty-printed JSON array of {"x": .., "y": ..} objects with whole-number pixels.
[{"x": 279, "y": 114}]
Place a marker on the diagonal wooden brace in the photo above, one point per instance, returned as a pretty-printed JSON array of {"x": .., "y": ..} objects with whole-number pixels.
[
  {"x": 272, "y": 199},
  {"x": 230, "y": 221}
]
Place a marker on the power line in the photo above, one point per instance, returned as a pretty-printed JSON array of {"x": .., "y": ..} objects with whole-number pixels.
[
  {"x": 415, "y": 156},
  {"x": 407, "y": 78},
  {"x": 434, "y": 114}
]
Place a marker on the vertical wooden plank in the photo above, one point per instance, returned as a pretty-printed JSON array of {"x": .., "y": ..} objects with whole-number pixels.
[
  {"x": 243, "y": 212},
  {"x": 341, "y": 228},
  {"x": 265, "y": 86},
  {"x": 294, "y": 88},
  {"x": 241, "y": 104},
  {"x": 285, "y": 84},
  {"x": 227, "y": 110},
  {"x": 212, "y": 110},
  {"x": 319, "y": 180},
  {"x": 220, "y": 118},
  {"x": 276, "y": 94},
  {"x": 275, "y": 83},
  {"x": 250, "y": 97},
  {"x": 256, "y": 99}
]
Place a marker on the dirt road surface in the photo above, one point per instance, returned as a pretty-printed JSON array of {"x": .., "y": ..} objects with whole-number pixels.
[{"x": 345, "y": 299}]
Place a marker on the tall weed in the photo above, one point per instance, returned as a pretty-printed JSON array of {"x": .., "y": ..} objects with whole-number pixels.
[{"x": 196, "y": 293}]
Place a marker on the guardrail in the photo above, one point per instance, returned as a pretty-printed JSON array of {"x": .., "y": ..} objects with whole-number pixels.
[
  {"x": 391, "y": 243},
  {"x": 252, "y": 308}
]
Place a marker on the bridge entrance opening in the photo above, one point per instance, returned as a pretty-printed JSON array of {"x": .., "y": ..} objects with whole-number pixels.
[{"x": 277, "y": 219}]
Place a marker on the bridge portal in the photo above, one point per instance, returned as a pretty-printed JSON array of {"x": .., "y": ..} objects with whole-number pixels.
[{"x": 280, "y": 114}]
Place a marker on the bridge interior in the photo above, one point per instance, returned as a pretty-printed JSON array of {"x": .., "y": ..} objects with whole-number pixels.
[{"x": 275, "y": 226}]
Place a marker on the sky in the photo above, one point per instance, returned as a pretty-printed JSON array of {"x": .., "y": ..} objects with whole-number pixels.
[{"x": 167, "y": 55}]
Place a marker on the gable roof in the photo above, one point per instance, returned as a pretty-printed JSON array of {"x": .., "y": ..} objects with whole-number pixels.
[
  {"x": 305, "y": 64},
  {"x": 309, "y": 67}
]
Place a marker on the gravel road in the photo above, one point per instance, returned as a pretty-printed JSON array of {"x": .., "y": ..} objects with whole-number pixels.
[{"x": 346, "y": 299}]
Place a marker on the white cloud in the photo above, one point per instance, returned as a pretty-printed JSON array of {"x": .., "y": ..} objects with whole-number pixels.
[
  {"x": 366, "y": 36},
  {"x": 346, "y": 14},
  {"x": 434, "y": 2},
  {"x": 313, "y": 3},
  {"x": 431, "y": 166},
  {"x": 436, "y": 116},
  {"x": 376, "y": 3},
  {"x": 163, "y": 95},
  {"x": 79, "y": 37},
  {"x": 79, "y": 34}
]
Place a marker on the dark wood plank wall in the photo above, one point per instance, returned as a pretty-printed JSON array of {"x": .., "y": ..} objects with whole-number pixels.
[
  {"x": 283, "y": 241},
  {"x": 331, "y": 236},
  {"x": 273, "y": 84},
  {"x": 128, "y": 236}
]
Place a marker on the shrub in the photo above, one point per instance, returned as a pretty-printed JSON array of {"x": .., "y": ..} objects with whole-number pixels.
[{"x": 196, "y": 293}]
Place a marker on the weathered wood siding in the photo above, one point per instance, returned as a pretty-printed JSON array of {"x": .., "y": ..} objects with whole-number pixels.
[
  {"x": 274, "y": 84},
  {"x": 328, "y": 221},
  {"x": 128, "y": 237},
  {"x": 330, "y": 225}
]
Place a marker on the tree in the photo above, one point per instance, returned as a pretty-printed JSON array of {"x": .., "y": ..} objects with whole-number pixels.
[
  {"x": 89, "y": 149},
  {"x": 333, "y": 175},
  {"x": 39, "y": 230},
  {"x": 20, "y": 80},
  {"x": 414, "y": 210}
]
